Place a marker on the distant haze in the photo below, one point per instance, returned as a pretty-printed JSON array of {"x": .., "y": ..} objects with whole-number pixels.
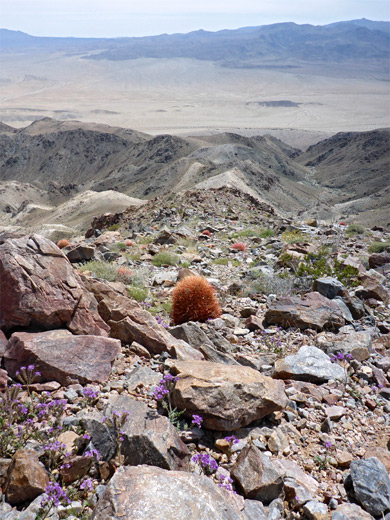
[{"x": 100, "y": 18}]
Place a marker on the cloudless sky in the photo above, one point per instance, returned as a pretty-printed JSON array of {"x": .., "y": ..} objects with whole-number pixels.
[{"x": 110, "y": 18}]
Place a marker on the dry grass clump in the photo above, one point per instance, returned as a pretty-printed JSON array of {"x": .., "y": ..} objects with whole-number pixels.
[{"x": 194, "y": 299}]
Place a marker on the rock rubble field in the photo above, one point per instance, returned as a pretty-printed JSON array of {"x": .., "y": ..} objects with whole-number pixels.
[{"x": 276, "y": 407}]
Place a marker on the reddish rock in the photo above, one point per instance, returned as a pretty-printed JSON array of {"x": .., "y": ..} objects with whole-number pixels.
[
  {"x": 378, "y": 259},
  {"x": 62, "y": 357},
  {"x": 40, "y": 289},
  {"x": 75, "y": 468},
  {"x": 254, "y": 323},
  {"x": 27, "y": 478},
  {"x": 312, "y": 311},
  {"x": 380, "y": 453}
]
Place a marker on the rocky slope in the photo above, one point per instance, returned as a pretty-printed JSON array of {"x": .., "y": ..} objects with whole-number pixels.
[
  {"x": 69, "y": 158},
  {"x": 285, "y": 396}
]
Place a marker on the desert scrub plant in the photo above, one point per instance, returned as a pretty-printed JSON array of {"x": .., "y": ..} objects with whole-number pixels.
[
  {"x": 355, "y": 229},
  {"x": 101, "y": 269},
  {"x": 293, "y": 237},
  {"x": 194, "y": 299},
  {"x": 315, "y": 265},
  {"x": 281, "y": 284},
  {"x": 113, "y": 227},
  {"x": 378, "y": 247},
  {"x": 124, "y": 274},
  {"x": 165, "y": 258},
  {"x": 347, "y": 275},
  {"x": 137, "y": 293},
  {"x": 226, "y": 261}
]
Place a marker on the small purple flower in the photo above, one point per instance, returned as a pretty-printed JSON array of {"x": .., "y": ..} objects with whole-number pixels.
[
  {"x": 30, "y": 367},
  {"x": 197, "y": 419},
  {"x": 87, "y": 484},
  {"x": 232, "y": 439},
  {"x": 328, "y": 445},
  {"x": 92, "y": 454},
  {"x": 54, "y": 495},
  {"x": 86, "y": 436}
]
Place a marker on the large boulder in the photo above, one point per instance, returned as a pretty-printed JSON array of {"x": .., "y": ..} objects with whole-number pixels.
[
  {"x": 226, "y": 396},
  {"x": 129, "y": 322},
  {"x": 148, "y": 438},
  {"x": 40, "y": 289},
  {"x": 148, "y": 493},
  {"x": 309, "y": 364},
  {"x": 312, "y": 311},
  {"x": 60, "y": 356}
]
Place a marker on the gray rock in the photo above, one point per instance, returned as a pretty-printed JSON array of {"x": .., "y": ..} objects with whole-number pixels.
[
  {"x": 148, "y": 493},
  {"x": 309, "y": 364},
  {"x": 148, "y": 438},
  {"x": 328, "y": 287},
  {"x": 254, "y": 510},
  {"x": 141, "y": 375},
  {"x": 371, "y": 485},
  {"x": 192, "y": 334},
  {"x": 350, "y": 512},
  {"x": 256, "y": 475},
  {"x": 313, "y": 508},
  {"x": 345, "y": 341}
]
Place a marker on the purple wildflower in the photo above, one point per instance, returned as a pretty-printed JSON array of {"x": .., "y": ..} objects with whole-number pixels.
[
  {"x": 205, "y": 461},
  {"x": 197, "y": 419},
  {"x": 87, "y": 484},
  {"x": 232, "y": 439},
  {"x": 54, "y": 495}
]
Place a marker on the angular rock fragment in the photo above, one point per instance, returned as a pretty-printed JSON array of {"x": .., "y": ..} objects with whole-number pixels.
[
  {"x": 309, "y": 364},
  {"x": 226, "y": 396},
  {"x": 371, "y": 485},
  {"x": 40, "y": 289},
  {"x": 312, "y": 311},
  {"x": 27, "y": 478},
  {"x": 60, "y": 356},
  {"x": 256, "y": 475},
  {"x": 148, "y": 438}
]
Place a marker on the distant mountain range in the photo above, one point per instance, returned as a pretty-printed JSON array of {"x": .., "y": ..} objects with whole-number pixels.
[
  {"x": 348, "y": 171},
  {"x": 267, "y": 45}
]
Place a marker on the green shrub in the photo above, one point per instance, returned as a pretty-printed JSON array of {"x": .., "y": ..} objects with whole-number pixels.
[
  {"x": 118, "y": 246},
  {"x": 378, "y": 247},
  {"x": 347, "y": 275},
  {"x": 113, "y": 227},
  {"x": 265, "y": 233},
  {"x": 355, "y": 229},
  {"x": 272, "y": 284},
  {"x": 315, "y": 265},
  {"x": 101, "y": 269},
  {"x": 226, "y": 261},
  {"x": 165, "y": 258},
  {"x": 293, "y": 237},
  {"x": 137, "y": 293}
]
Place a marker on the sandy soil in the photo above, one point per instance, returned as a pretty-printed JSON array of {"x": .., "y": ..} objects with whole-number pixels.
[{"x": 190, "y": 97}]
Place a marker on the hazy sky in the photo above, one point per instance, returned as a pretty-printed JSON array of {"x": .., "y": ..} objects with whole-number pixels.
[{"x": 105, "y": 18}]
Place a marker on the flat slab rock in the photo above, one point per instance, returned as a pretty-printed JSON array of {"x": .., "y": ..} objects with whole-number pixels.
[
  {"x": 150, "y": 493},
  {"x": 61, "y": 356},
  {"x": 226, "y": 396},
  {"x": 309, "y": 364},
  {"x": 41, "y": 289},
  {"x": 312, "y": 311}
]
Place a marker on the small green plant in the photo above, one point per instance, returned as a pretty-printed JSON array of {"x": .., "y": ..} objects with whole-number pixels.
[
  {"x": 266, "y": 233},
  {"x": 163, "y": 394},
  {"x": 227, "y": 261},
  {"x": 347, "y": 275},
  {"x": 165, "y": 258},
  {"x": 293, "y": 237},
  {"x": 113, "y": 227},
  {"x": 118, "y": 246},
  {"x": 281, "y": 284},
  {"x": 355, "y": 229},
  {"x": 323, "y": 461},
  {"x": 315, "y": 265},
  {"x": 101, "y": 269},
  {"x": 378, "y": 247},
  {"x": 145, "y": 240},
  {"x": 137, "y": 293}
]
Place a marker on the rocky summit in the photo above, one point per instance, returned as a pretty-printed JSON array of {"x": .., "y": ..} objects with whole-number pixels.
[{"x": 275, "y": 406}]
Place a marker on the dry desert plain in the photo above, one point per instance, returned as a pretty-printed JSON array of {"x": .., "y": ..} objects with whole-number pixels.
[{"x": 190, "y": 97}]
